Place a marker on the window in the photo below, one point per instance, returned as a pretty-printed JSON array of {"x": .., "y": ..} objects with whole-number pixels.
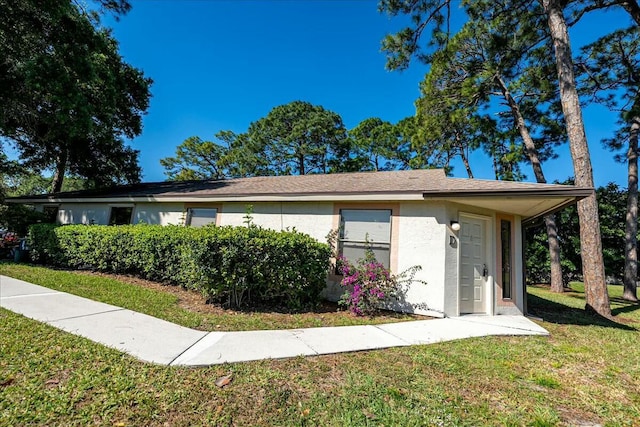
[
  {"x": 362, "y": 229},
  {"x": 505, "y": 240},
  {"x": 120, "y": 215},
  {"x": 50, "y": 213},
  {"x": 197, "y": 217}
]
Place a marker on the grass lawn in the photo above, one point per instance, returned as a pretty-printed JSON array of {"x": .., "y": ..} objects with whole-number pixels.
[
  {"x": 586, "y": 373},
  {"x": 185, "y": 307}
]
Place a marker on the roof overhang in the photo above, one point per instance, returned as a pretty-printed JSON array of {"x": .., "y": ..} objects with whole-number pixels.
[{"x": 529, "y": 204}]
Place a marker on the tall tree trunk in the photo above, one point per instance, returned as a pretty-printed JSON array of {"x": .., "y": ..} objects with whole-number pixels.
[
  {"x": 496, "y": 173},
  {"x": 465, "y": 158},
  {"x": 632, "y": 7},
  {"x": 532, "y": 153},
  {"x": 554, "y": 253},
  {"x": 301, "y": 168},
  {"x": 597, "y": 298},
  {"x": 60, "y": 169},
  {"x": 467, "y": 166},
  {"x": 631, "y": 228}
]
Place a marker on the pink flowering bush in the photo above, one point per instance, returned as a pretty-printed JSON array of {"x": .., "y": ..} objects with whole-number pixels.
[
  {"x": 368, "y": 285},
  {"x": 8, "y": 241}
]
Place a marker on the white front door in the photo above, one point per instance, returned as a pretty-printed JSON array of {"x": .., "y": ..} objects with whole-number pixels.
[{"x": 473, "y": 266}]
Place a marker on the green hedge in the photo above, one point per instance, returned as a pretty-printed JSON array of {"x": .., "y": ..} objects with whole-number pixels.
[{"x": 230, "y": 265}]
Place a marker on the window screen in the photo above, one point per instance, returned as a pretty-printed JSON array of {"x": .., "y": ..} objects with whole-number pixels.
[
  {"x": 50, "y": 213},
  {"x": 362, "y": 229},
  {"x": 120, "y": 215},
  {"x": 197, "y": 217}
]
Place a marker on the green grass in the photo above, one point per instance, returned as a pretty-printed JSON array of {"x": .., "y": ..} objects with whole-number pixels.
[
  {"x": 587, "y": 372},
  {"x": 166, "y": 305}
]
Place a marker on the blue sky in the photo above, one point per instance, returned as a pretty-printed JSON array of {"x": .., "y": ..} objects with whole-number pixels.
[{"x": 221, "y": 64}]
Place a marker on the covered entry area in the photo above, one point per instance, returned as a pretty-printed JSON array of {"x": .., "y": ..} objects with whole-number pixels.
[{"x": 484, "y": 264}]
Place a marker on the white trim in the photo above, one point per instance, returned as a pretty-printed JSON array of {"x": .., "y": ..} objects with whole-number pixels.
[
  {"x": 250, "y": 198},
  {"x": 520, "y": 287},
  {"x": 189, "y": 215}
]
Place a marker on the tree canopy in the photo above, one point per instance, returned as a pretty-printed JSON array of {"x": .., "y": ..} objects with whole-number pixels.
[
  {"x": 67, "y": 98},
  {"x": 505, "y": 47},
  {"x": 292, "y": 139},
  {"x": 301, "y": 138}
]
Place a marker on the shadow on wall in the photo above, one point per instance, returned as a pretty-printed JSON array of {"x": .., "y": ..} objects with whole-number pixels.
[
  {"x": 406, "y": 281},
  {"x": 160, "y": 217},
  {"x": 144, "y": 217}
]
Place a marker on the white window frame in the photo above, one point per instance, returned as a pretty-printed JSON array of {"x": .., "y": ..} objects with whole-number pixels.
[
  {"x": 386, "y": 245},
  {"x": 193, "y": 208}
]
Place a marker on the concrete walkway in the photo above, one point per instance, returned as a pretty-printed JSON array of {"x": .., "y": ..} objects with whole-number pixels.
[{"x": 158, "y": 341}]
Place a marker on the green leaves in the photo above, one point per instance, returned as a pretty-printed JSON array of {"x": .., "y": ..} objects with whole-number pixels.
[
  {"x": 196, "y": 159},
  {"x": 298, "y": 138},
  {"x": 73, "y": 97},
  {"x": 376, "y": 142},
  {"x": 231, "y": 265},
  {"x": 293, "y": 139},
  {"x": 612, "y": 202},
  {"x": 425, "y": 15}
]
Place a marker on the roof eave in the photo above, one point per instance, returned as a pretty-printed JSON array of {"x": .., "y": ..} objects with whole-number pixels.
[
  {"x": 566, "y": 197},
  {"x": 527, "y": 222},
  {"x": 579, "y": 192},
  {"x": 317, "y": 197}
]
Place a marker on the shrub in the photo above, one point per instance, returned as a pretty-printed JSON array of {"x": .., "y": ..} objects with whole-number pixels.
[
  {"x": 370, "y": 286},
  {"x": 230, "y": 265},
  {"x": 43, "y": 244},
  {"x": 18, "y": 218}
]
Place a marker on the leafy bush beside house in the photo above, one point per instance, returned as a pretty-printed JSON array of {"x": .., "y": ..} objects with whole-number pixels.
[
  {"x": 18, "y": 218},
  {"x": 230, "y": 265}
]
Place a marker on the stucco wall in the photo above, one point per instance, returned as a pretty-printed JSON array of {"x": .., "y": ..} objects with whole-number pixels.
[
  {"x": 452, "y": 259},
  {"x": 159, "y": 213},
  {"x": 312, "y": 218},
  {"x": 83, "y": 213},
  {"x": 421, "y": 242}
]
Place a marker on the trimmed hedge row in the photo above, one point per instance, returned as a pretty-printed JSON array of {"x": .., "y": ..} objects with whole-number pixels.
[{"x": 230, "y": 265}]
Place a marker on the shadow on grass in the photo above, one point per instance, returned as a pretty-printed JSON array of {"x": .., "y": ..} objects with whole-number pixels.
[
  {"x": 627, "y": 308},
  {"x": 554, "y": 312}
]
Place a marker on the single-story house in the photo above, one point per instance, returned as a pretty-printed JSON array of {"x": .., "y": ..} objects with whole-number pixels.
[{"x": 466, "y": 234}]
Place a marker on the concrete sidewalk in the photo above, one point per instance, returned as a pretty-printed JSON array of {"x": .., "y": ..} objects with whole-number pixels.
[{"x": 158, "y": 341}]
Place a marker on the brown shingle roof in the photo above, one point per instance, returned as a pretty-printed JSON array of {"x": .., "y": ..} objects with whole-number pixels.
[{"x": 426, "y": 182}]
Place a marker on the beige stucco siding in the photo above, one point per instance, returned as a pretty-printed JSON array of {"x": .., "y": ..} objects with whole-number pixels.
[
  {"x": 159, "y": 213},
  {"x": 83, "y": 213},
  {"x": 312, "y": 218},
  {"x": 422, "y": 234}
]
